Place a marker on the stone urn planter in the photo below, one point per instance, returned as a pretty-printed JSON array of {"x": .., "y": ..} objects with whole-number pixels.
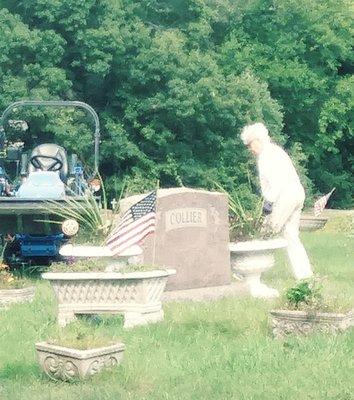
[
  {"x": 250, "y": 259},
  {"x": 296, "y": 322},
  {"x": 11, "y": 296},
  {"x": 136, "y": 295},
  {"x": 68, "y": 364},
  {"x": 311, "y": 223}
]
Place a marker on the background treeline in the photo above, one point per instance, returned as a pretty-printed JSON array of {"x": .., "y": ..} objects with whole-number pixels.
[{"x": 174, "y": 81}]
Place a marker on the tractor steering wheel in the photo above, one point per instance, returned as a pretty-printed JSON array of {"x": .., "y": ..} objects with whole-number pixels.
[{"x": 38, "y": 164}]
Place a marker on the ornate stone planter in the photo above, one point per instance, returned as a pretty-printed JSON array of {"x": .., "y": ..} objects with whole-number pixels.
[
  {"x": 137, "y": 295},
  {"x": 309, "y": 223},
  {"x": 11, "y": 296},
  {"x": 286, "y": 322},
  {"x": 250, "y": 259},
  {"x": 67, "y": 364}
]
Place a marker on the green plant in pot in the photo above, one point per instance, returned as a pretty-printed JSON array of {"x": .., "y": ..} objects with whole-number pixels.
[
  {"x": 246, "y": 223},
  {"x": 305, "y": 309},
  {"x": 93, "y": 216},
  {"x": 10, "y": 281},
  {"x": 77, "y": 352},
  {"x": 306, "y": 295},
  {"x": 13, "y": 288},
  {"x": 251, "y": 246},
  {"x": 100, "y": 264},
  {"x": 246, "y": 217}
]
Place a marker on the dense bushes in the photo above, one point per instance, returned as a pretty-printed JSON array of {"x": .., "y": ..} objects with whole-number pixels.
[{"x": 175, "y": 80}]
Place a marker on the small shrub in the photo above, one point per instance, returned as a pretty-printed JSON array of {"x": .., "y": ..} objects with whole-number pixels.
[
  {"x": 308, "y": 295},
  {"x": 306, "y": 292}
]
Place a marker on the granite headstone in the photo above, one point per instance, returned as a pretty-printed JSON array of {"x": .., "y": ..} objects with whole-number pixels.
[{"x": 191, "y": 236}]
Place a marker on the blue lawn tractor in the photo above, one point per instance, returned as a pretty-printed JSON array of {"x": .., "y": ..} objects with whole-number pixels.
[{"x": 31, "y": 178}]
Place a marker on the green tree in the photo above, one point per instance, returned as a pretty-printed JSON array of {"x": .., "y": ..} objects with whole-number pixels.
[{"x": 174, "y": 81}]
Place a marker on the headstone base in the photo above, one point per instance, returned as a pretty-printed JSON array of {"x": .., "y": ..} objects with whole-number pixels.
[{"x": 235, "y": 289}]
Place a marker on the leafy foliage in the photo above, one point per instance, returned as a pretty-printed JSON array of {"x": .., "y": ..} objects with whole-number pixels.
[
  {"x": 90, "y": 211},
  {"x": 9, "y": 280},
  {"x": 246, "y": 220},
  {"x": 94, "y": 220},
  {"x": 174, "y": 81},
  {"x": 310, "y": 295},
  {"x": 96, "y": 264},
  {"x": 307, "y": 295},
  {"x": 93, "y": 264}
]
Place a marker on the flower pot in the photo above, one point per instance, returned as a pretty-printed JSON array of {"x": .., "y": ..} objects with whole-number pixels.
[
  {"x": 11, "y": 296},
  {"x": 68, "y": 364},
  {"x": 137, "y": 295},
  {"x": 309, "y": 223},
  {"x": 250, "y": 259},
  {"x": 286, "y": 322}
]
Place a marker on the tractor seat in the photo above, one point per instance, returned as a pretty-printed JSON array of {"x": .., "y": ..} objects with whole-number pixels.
[{"x": 50, "y": 150}]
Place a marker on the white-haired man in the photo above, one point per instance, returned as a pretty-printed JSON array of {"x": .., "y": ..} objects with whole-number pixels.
[{"x": 283, "y": 193}]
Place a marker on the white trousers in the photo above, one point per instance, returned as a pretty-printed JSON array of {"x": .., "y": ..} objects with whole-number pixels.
[{"x": 285, "y": 218}]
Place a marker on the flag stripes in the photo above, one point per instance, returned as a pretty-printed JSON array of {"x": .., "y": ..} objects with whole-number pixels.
[
  {"x": 128, "y": 227},
  {"x": 137, "y": 222},
  {"x": 320, "y": 204},
  {"x": 137, "y": 237},
  {"x": 131, "y": 231}
]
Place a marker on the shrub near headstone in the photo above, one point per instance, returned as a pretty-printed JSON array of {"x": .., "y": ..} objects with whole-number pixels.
[
  {"x": 191, "y": 236},
  {"x": 306, "y": 311}
]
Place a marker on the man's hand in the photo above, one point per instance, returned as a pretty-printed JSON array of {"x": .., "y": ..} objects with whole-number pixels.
[{"x": 267, "y": 207}]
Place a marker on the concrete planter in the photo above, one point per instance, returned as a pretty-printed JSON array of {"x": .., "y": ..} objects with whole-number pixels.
[
  {"x": 68, "y": 364},
  {"x": 137, "y": 295},
  {"x": 250, "y": 259},
  {"x": 309, "y": 223},
  {"x": 286, "y": 322},
  {"x": 11, "y": 296}
]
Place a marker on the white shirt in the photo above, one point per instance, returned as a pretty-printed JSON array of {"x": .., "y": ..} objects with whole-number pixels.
[{"x": 277, "y": 173}]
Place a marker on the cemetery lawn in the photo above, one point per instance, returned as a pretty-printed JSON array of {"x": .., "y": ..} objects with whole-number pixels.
[{"x": 217, "y": 350}]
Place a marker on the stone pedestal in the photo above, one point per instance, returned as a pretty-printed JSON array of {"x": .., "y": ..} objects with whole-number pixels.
[
  {"x": 68, "y": 364},
  {"x": 136, "y": 295},
  {"x": 192, "y": 237},
  {"x": 285, "y": 322},
  {"x": 11, "y": 296},
  {"x": 250, "y": 259}
]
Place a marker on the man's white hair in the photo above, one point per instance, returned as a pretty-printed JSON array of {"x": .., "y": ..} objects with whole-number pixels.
[{"x": 255, "y": 131}]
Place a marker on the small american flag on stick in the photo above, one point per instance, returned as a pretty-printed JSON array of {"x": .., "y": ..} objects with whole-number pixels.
[
  {"x": 320, "y": 204},
  {"x": 135, "y": 225}
]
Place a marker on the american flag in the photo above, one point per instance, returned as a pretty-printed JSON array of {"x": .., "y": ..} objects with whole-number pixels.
[
  {"x": 320, "y": 204},
  {"x": 135, "y": 225}
]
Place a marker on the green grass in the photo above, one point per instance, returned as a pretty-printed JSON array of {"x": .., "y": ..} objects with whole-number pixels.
[{"x": 213, "y": 350}]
